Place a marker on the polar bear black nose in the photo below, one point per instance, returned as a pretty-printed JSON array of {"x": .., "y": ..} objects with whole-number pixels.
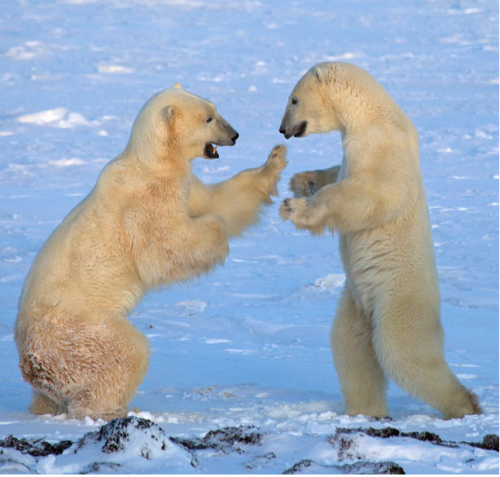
[
  {"x": 236, "y": 136},
  {"x": 282, "y": 130}
]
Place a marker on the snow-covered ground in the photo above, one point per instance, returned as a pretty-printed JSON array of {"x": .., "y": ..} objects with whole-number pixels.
[{"x": 249, "y": 344}]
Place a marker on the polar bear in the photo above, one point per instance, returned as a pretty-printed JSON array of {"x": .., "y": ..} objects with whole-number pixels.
[
  {"x": 147, "y": 222},
  {"x": 388, "y": 318}
]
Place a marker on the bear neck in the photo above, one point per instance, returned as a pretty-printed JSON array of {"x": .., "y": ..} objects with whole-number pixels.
[
  {"x": 161, "y": 158},
  {"x": 359, "y": 107}
]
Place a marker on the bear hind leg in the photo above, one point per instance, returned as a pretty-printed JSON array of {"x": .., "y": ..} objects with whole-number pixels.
[
  {"x": 362, "y": 380},
  {"x": 42, "y": 404},
  {"x": 121, "y": 354},
  {"x": 413, "y": 356}
]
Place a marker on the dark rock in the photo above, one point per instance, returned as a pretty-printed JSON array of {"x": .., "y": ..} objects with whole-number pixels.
[
  {"x": 299, "y": 466},
  {"x": 100, "y": 468},
  {"x": 372, "y": 468},
  {"x": 490, "y": 442},
  {"x": 308, "y": 466},
  {"x": 227, "y": 439},
  {"x": 388, "y": 432},
  {"x": 426, "y": 436},
  {"x": 384, "y": 433},
  {"x": 35, "y": 448},
  {"x": 116, "y": 433}
]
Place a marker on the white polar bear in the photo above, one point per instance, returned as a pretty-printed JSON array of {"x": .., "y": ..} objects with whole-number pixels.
[
  {"x": 388, "y": 318},
  {"x": 148, "y": 222}
]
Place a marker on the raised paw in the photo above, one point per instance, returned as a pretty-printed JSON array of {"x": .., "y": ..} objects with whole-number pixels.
[
  {"x": 286, "y": 209},
  {"x": 302, "y": 215},
  {"x": 275, "y": 163},
  {"x": 277, "y": 158},
  {"x": 304, "y": 184},
  {"x": 294, "y": 210}
]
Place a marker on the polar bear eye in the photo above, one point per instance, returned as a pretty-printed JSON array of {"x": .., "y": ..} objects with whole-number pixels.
[
  {"x": 295, "y": 100},
  {"x": 209, "y": 120}
]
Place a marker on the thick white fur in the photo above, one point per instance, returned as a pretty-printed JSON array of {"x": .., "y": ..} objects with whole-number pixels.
[
  {"x": 388, "y": 318},
  {"x": 148, "y": 222}
]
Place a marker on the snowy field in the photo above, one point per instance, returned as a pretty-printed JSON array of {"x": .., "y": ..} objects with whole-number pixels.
[{"x": 241, "y": 375}]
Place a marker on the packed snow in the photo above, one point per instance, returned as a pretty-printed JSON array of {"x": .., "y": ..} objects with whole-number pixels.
[{"x": 241, "y": 377}]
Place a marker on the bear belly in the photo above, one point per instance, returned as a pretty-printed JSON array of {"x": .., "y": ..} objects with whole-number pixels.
[{"x": 370, "y": 264}]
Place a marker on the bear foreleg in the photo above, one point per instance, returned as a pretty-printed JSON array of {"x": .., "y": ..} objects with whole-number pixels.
[
  {"x": 351, "y": 205},
  {"x": 306, "y": 184},
  {"x": 239, "y": 200}
]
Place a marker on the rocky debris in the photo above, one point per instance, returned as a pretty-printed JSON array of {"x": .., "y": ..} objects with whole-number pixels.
[
  {"x": 136, "y": 436},
  {"x": 372, "y": 468},
  {"x": 490, "y": 442},
  {"x": 117, "y": 433},
  {"x": 35, "y": 447},
  {"x": 300, "y": 466},
  {"x": 101, "y": 468},
  {"x": 308, "y": 466},
  {"x": 260, "y": 461},
  {"x": 226, "y": 440},
  {"x": 387, "y": 432}
]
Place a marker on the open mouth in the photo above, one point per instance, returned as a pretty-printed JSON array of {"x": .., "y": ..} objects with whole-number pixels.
[{"x": 211, "y": 151}]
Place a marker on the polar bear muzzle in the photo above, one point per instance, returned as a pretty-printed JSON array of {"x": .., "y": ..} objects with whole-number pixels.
[
  {"x": 296, "y": 130},
  {"x": 227, "y": 138}
]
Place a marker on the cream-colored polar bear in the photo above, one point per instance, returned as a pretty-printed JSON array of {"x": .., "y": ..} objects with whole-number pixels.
[
  {"x": 388, "y": 318},
  {"x": 148, "y": 221}
]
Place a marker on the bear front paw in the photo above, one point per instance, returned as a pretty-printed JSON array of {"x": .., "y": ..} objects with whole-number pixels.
[
  {"x": 302, "y": 215},
  {"x": 277, "y": 158},
  {"x": 271, "y": 171},
  {"x": 304, "y": 184},
  {"x": 294, "y": 210}
]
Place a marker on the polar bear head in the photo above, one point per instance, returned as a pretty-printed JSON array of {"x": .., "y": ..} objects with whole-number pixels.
[
  {"x": 176, "y": 123},
  {"x": 335, "y": 96}
]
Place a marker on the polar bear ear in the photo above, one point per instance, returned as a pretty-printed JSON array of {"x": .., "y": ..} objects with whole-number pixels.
[
  {"x": 169, "y": 113},
  {"x": 320, "y": 74},
  {"x": 177, "y": 86}
]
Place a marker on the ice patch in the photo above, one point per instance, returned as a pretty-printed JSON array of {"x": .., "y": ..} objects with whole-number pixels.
[
  {"x": 57, "y": 118},
  {"x": 483, "y": 134},
  {"x": 331, "y": 280},
  {"x": 344, "y": 56},
  {"x": 208, "y": 170},
  {"x": 74, "y": 161},
  {"x": 109, "y": 68},
  {"x": 464, "y": 365},
  {"x": 217, "y": 341},
  {"x": 243, "y": 352},
  {"x": 11, "y": 279},
  {"x": 467, "y": 376},
  {"x": 192, "y": 305},
  {"x": 29, "y": 50}
]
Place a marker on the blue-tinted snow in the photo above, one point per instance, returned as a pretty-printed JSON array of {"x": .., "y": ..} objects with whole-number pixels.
[{"x": 249, "y": 344}]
